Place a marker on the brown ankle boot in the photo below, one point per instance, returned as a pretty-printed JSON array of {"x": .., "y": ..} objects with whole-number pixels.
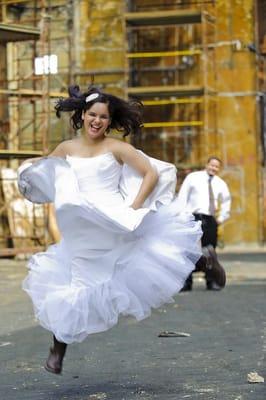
[
  {"x": 54, "y": 361},
  {"x": 209, "y": 264}
]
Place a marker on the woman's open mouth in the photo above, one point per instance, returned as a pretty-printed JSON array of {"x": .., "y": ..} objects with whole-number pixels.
[{"x": 95, "y": 129}]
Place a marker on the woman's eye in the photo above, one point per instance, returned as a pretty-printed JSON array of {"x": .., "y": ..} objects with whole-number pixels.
[{"x": 100, "y": 116}]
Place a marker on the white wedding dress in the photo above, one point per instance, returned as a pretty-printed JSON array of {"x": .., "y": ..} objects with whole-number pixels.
[{"x": 112, "y": 260}]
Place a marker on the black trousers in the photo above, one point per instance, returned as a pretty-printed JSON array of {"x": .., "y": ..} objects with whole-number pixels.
[
  {"x": 210, "y": 233},
  {"x": 210, "y": 229}
]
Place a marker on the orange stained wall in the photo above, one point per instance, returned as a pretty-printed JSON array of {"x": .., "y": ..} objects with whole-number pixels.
[
  {"x": 238, "y": 127},
  {"x": 102, "y": 45}
]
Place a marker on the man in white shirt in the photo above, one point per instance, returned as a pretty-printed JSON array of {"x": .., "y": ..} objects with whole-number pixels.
[{"x": 207, "y": 196}]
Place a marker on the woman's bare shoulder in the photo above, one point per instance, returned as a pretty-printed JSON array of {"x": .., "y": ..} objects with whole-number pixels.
[
  {"x": 117, "y": 145},
  {"x": 71, "y": 142},
  {"x": 63, "y": 148},
  {"x": 122, "y": 150}
]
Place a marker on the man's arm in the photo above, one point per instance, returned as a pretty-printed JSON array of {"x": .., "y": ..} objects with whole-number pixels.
[
  {"x": 225, "y": 204},
  {"x": 183, "y": 193}
]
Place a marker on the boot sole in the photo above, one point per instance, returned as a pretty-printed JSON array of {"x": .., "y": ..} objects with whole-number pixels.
[{"x": 52, "y": 370}]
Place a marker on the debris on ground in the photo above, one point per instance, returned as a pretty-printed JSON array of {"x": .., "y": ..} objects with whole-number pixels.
[
  {"x": 3, "y": 344},
  {"x": 98, "y": 396},
  {"x": 173, "y": 334},
  {"x": 254, "y": 377}
]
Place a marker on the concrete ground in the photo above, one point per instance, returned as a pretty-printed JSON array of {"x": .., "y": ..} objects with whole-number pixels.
[{"x": 227, "y": 339}]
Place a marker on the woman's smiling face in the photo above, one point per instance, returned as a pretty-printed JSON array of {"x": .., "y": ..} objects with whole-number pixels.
[{"x": 96, "y": 120}]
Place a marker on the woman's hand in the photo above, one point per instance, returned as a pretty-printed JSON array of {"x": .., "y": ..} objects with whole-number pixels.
[
  {"x": 129, "y": 155},
  {"x": 135, "y": 205}
]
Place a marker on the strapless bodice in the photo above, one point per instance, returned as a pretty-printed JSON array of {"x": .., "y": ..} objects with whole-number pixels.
[
  {"x": 100, "y": 181},
  {"x": 96, "y": 175}
]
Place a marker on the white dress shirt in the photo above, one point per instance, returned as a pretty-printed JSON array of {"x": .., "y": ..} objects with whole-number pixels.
[{"x": 193, "y": 195}]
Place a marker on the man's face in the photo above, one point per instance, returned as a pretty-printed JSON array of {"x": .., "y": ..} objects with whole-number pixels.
[{"x": 213, "y": 167}]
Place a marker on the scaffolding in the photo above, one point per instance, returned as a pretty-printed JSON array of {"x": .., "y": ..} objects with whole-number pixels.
[
  {"x": 171, "y": 68},
  {"x": 28, "y": 127},
  {"x": 168, "y": 61}
]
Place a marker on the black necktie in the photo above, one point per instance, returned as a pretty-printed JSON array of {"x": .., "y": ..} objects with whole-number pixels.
[{"x": 211, "y": 197}]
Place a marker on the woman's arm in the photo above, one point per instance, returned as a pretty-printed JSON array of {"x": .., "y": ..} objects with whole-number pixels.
[
  {"x": 59, "y": 151},
  {"x": 129, "y": 155}
]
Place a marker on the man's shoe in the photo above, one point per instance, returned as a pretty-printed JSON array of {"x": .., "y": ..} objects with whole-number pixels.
[
  {"x": 188, "y": 284},
  {"x": 187, "y": 287},
  {"x": 214, "y": 271}
]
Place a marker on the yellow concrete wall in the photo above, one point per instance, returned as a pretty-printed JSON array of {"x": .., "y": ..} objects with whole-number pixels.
[
  {"x": 102, "y": 43},
  {"x": 238, "y": 119},
  {"x": 99, "y": 44}
]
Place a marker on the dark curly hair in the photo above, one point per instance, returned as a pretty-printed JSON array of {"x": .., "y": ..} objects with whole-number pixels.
[{"x": 126, "y": 116}]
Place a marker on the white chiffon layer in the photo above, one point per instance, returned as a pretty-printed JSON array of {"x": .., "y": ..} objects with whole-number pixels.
[{"x": 112, "y": 260}]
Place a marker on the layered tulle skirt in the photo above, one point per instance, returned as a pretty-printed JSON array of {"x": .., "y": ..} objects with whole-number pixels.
[{"x": 105, "y": 267}]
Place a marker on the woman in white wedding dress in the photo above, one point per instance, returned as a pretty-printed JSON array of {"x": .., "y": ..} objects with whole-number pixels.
[{"x": 126, "y": 247}]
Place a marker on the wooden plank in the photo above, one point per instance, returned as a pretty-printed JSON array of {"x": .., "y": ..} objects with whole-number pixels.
[
  {"x": 172, "y": 101},
  {"x": 8, "y": 252},
  {"x": 18, "y": 33},
  {"x": 152, "y": 54},
  {"x": 31, "y": 93},
  {"x": 26, "y": 220},
  {"x": 160, "y": 91},
  {"x": 19, "y": 153},
  {"x": 172, "y": 124},
  {"x": 167, "y": 17}
]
